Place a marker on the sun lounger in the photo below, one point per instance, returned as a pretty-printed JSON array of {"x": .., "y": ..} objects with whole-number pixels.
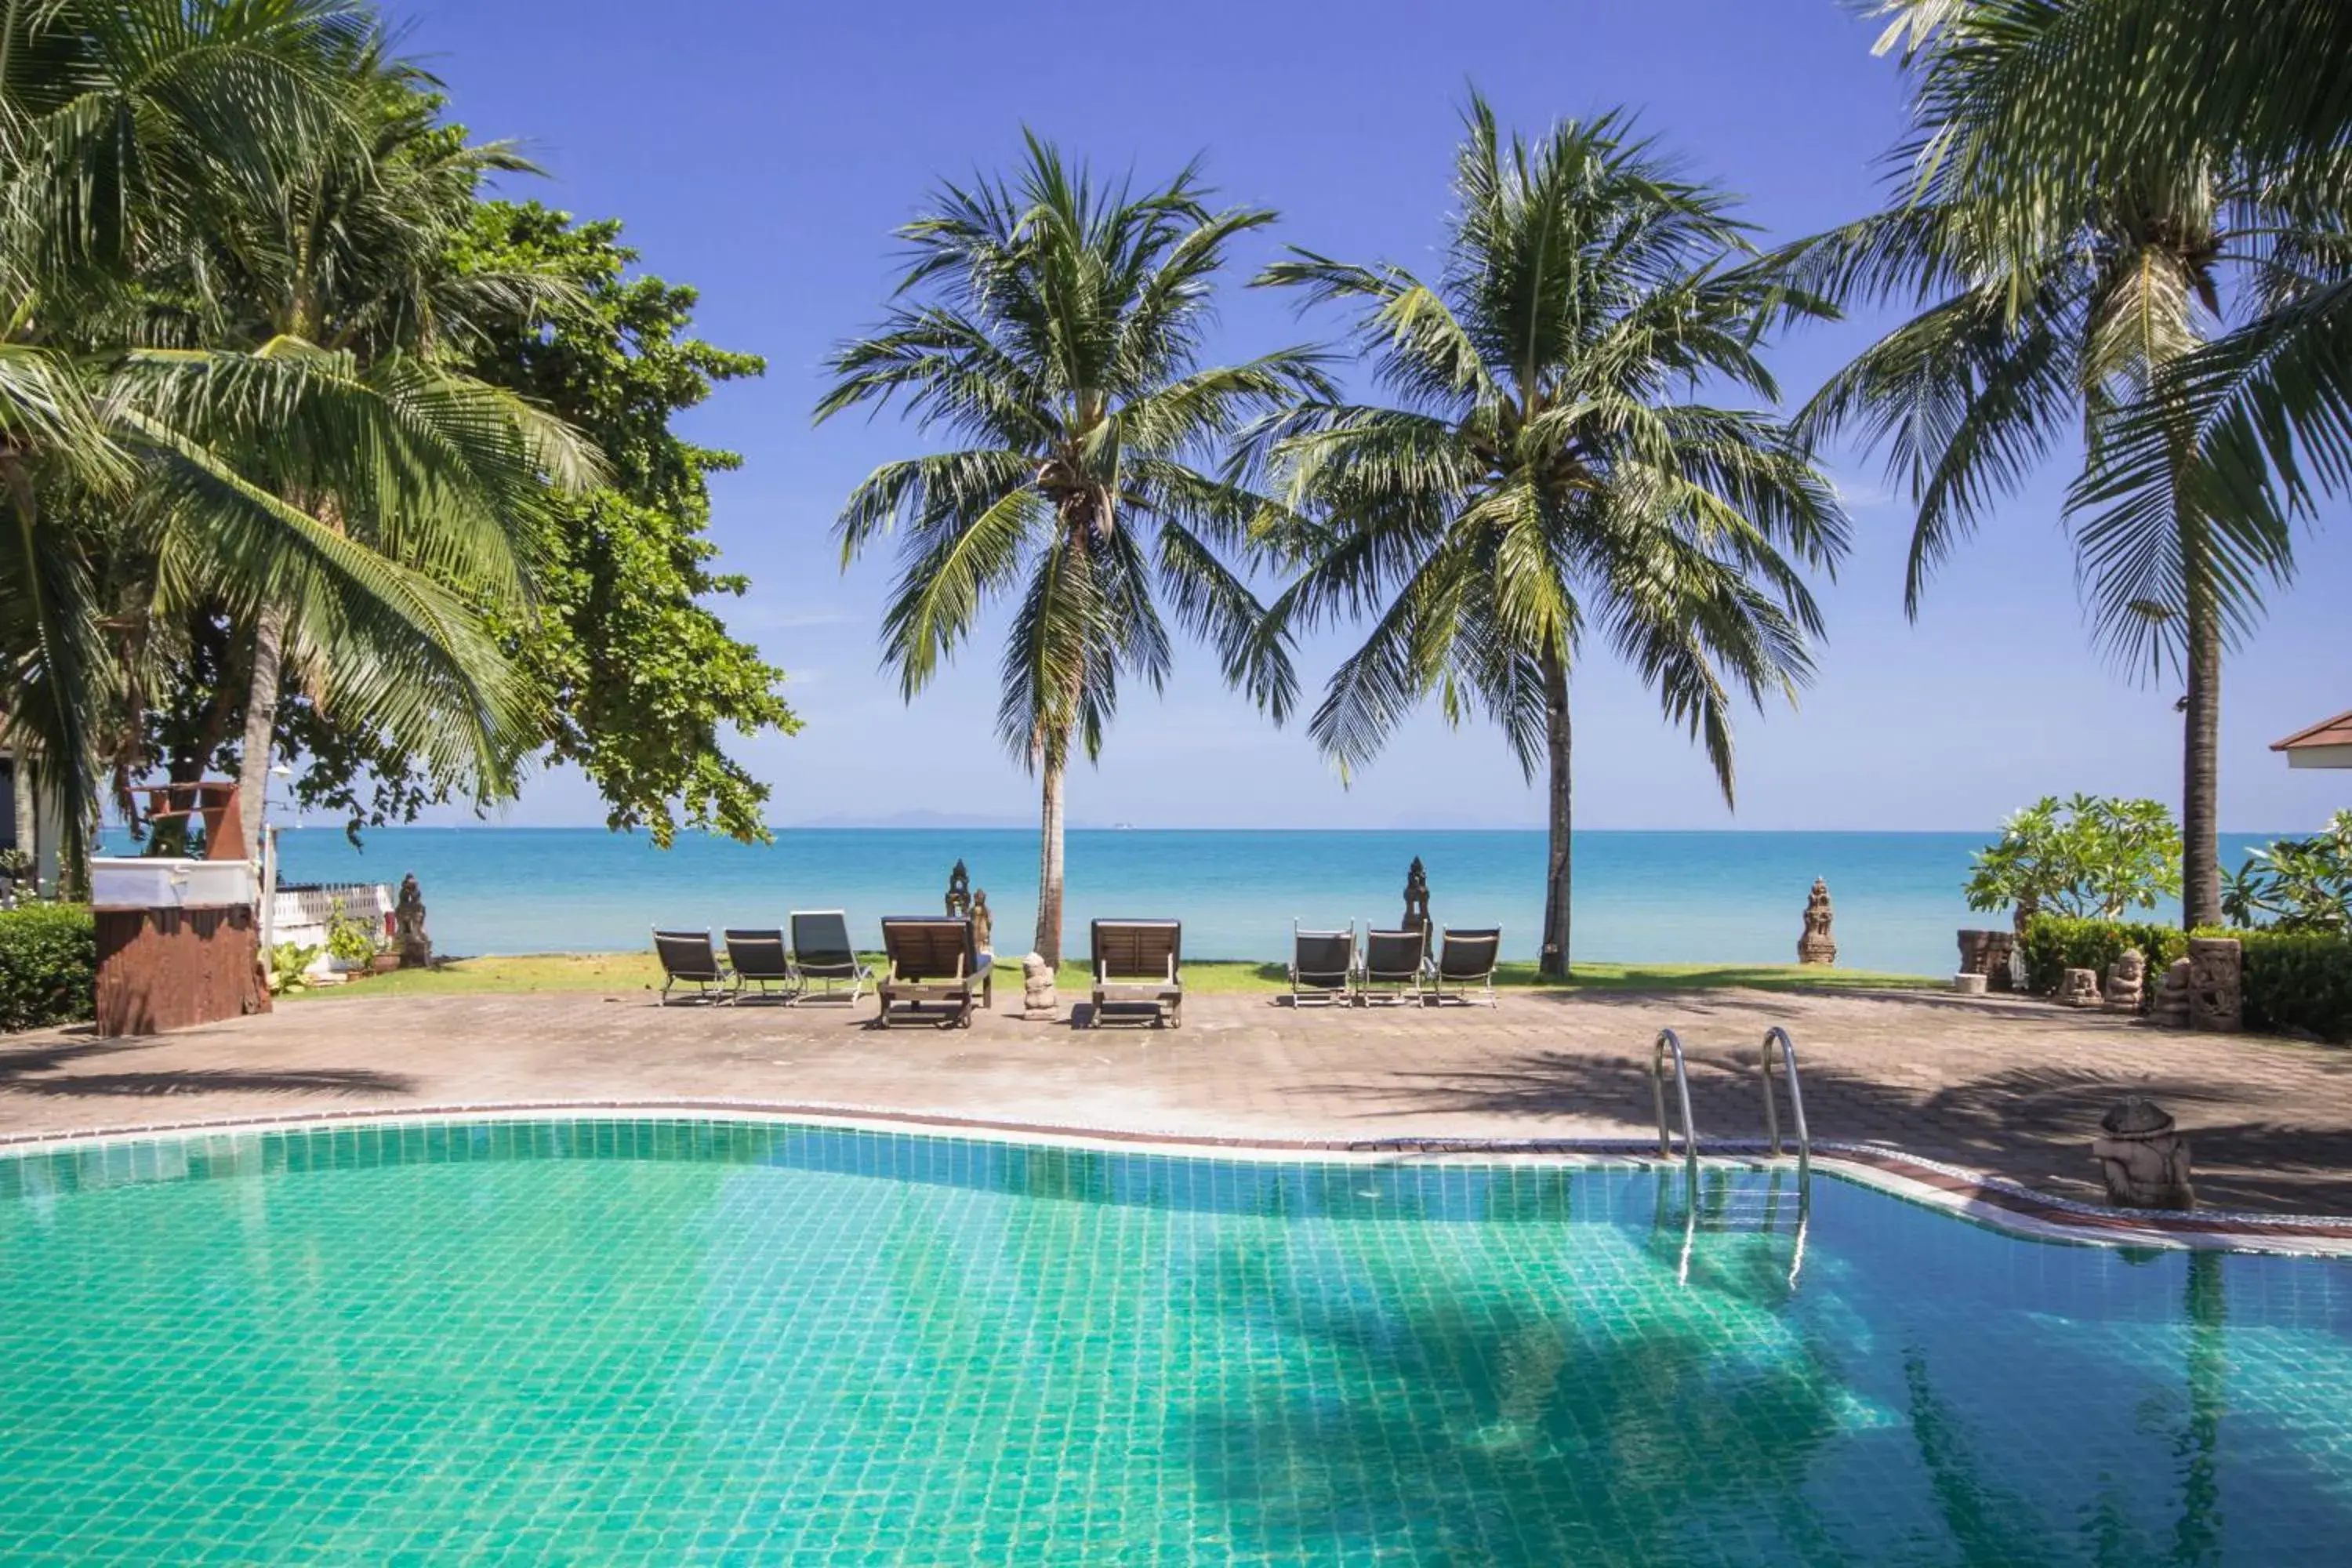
[
  {"x": 1322, "y": 964},
  {"x": 1466, "y": 959},
  {"x": 759, "y": 959},
  {"x": 1395, "y": 968},
  {"x": 1136, "y": 965},
  {"x": 821, "y": 951},
  {"x": 934, "y": 961},
  {"x": 687, "y": 959}
]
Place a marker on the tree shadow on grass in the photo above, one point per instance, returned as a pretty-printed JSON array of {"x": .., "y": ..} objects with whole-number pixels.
[{"x": 50, "y": 1072}]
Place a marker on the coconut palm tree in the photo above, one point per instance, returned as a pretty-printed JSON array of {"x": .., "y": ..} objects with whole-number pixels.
[
  {"x": 1052, "y": 326},
  {"x": 341, "y": 269},
  {"x": 1547, "y": 470},
  {"x": 167, "y": 452},
  {"x": 112, "y": 118},
  {"x": 2073, "y": 253}
]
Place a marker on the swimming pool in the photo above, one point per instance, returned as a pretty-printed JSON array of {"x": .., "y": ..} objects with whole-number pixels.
[{"x": 687, "y": 1341}]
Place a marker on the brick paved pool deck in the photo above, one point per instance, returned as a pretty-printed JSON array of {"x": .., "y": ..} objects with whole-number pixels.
[{"x": 2009, "y": 1088}]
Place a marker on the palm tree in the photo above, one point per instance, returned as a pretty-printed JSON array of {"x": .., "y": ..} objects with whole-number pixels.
[
  {"x": 341, "y": 269},
  {"x": 2072, "y": 262},
  {"x": 1546, "y": 470},
  {"x": 362, "y": 504},
  {"x": 1054, "y": 326},
  {"x": 112, "y": 118}
]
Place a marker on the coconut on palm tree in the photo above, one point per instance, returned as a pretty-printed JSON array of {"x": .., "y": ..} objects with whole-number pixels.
[
  {"x": 1548, "y": 470},
  {"x": 1051, "y": 327},
  {"x": 2071, "y": 267}
]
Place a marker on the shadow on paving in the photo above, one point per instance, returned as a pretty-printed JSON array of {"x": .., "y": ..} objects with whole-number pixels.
[
  {"x": 53, "y": 1072},
  {"x": 2019, "y": 1121}
]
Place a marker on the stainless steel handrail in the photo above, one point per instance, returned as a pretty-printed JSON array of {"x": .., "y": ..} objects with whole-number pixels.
[
  {"x": 1668, "y": 1041},
  {"x": 1796, "y": 1097}
]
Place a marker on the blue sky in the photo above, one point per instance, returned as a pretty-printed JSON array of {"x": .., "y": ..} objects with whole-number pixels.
[{"x": 763, "y": 153}]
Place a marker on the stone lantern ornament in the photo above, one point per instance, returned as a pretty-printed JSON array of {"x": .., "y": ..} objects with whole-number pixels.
[
  {"x": 2142, "y": 1159},
  {"x": 1817, "y": 946}
]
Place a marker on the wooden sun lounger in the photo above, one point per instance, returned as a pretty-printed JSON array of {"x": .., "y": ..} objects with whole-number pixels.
[
  {"x": 763, "y": 968},
  {"x": 1466, "y": 961},
  {"x": 934, "y": 961},
  {"x": 1395, "y": 968},
  {"x": 687, "y": 959},
  {"x": 1137, "y": 964},
  {"x": 1322, "y": 965}
]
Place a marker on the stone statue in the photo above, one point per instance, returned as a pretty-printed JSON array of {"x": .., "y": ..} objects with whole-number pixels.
[
  {"x": 983, "y": 924},
  {"x": 2128, "y": 982},
  {"x": 1816, "y": 946},
  {"x": 959, "y": 890},
  {"x": 408, "y": 937},
  {"x": 1038, "y": 999},
  {"x": 2217, "y": 990},
  {"x": 2144, "y": 1162},
  {"x": 2172, "y": 995},
  {"x": 1987, "y": 953},
  {"x": 1416, "y": 900},
  {"x": 2079, "y": 989}
]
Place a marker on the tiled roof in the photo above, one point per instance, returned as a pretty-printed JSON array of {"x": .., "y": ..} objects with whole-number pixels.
[{"x": 2336, "y": 731}]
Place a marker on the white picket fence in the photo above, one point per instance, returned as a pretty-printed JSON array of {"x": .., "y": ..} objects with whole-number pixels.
[{"x": 302, "y": 913}]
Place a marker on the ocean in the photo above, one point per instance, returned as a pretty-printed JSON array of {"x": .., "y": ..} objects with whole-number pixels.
[{"x": 1654, "y": 897}]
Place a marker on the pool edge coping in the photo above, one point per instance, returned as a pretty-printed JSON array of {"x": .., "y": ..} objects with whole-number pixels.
[{"x": 1976, "y": 1195}]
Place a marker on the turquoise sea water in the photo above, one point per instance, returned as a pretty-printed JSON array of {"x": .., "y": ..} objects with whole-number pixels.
[
  {"x": 673, "y": 1342},
  {"x": 1659, "y": 897}
]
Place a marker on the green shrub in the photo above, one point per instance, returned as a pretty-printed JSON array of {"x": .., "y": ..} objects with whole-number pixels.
[
  {"x": 2055, "y": 944},
  {"x": 48, "y": 966},
  {"x": 2298, "y": 982}
]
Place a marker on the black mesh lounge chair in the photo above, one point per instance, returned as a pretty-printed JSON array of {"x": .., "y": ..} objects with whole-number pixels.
[
  {"x": 687, "y": 960},
  {"x": 821, "y": 951},
  {"x": 763, "y": 969},
  {"x": 934, "y": 962},
  {"x": 1396, "y": 967},
  {"x": 1136, "y": 966},
  {"x": 1466, "y": 959},
  {"x": 1322, "y": 964}
]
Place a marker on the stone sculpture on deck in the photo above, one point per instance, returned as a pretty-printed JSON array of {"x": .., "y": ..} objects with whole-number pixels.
[
  {"x": 408, "y": 937},
  {"x": 2172, "y": 995},
  {"x": 2142, "y": 1159},
  {"x": 983, "y": 924},
  {"x": 1038, "y": 998},
  {"x": 1816, "y": 946},
  {"x": 2079, "y": 989},
  {"x": 2217, "y": 990},
  {"x": 2128, "y": 982},
  {"x": 959, "y": 890},
  {"x": 1416, "y": 900}
]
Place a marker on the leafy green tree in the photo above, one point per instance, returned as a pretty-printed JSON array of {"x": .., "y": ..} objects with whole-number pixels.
[
  {"x": 2297, "y": 884},
  {"x": 1054, "y": 326},
  {"x": 1546, "y": 470},
  {"x": 2076, "y": 232},
  {"x": 639, "y": 675},
  {"x": 2090, "y": 857}
]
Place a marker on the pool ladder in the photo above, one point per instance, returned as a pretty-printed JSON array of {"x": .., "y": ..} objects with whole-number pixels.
[
  {"x": 1722, "y": 1211},
  {"x": 1669, "y": 1048}
]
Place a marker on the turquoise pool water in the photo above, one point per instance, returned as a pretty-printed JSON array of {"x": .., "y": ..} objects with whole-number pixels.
[{"x": 668, "y": 1341}]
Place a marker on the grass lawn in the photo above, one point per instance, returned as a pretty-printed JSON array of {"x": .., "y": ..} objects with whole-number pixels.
[{"x": 612, "y": 972}]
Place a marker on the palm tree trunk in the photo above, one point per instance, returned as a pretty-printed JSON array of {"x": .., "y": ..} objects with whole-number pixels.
[
  {"x": 2200, "y": 794},
  {"x": 260, "y": 726},
  {"x": 1556, "y": 874},
  {"x": 1049, "y": 862}
]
